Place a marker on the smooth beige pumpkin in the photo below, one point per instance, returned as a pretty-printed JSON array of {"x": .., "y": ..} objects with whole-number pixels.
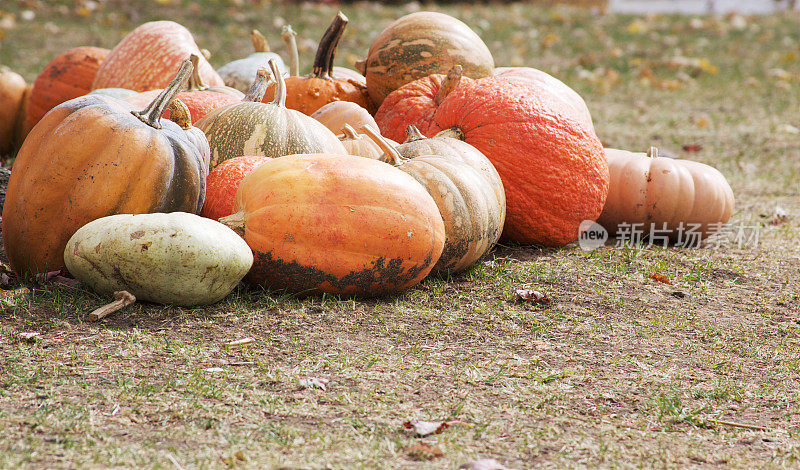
[
  {"x": 336, "y": 114},
  {"x": 13, "y": 90},
  {"x": 472, "y": 215},
  {"x": 177, "y": 258},
  {"x": 358, "y": 144},
  {"x": 667, "y": 193}
]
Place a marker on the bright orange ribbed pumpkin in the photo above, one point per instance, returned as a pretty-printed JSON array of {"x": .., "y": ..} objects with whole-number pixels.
[
  {"x": 551, "y": 162},
  {"x": 550, "y": 82},
  {"x": 68, "y": 76},
  {"x": 146, "y": 59},
  {"x": 222, "y": 183},
  {"x": 308, "y": 94},
  {"x": 337, "y": 223},
  {"x": 415, "y": 103}
]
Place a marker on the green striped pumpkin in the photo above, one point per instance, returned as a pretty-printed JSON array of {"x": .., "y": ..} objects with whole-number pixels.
[{"x": 265, "y": 129}]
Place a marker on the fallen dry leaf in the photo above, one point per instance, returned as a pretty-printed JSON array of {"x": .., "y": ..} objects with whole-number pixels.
[
  {"x": 662, "y": 279},
  {"x": 314, "y": 382},
  {"x": 483, "y": 464},
  {"x": 426, "y": 428},
  {"x": 423, "y": 451},
  {"x": 532, "y": 296}
]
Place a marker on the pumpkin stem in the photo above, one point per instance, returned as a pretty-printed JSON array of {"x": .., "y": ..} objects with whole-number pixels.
[
  {"x": 323, "y": 61},
  {"x": 235, "y": 222},
  {"x": 195, "y": 80},
  {"x": 361, "y": 66},
  {"x": 413, "y": 134},
  {"x": 179, "y": 114},
  {"x": 259, "y": 86},
  {"x": 151, "y": 115},
  {"x": 390, "y": 154},
  {"x": 449, "y": 84},
  {"x": 349, "y": 132},
  {"x": 652, "y": 152},
  {"x": 453, "y": 133},
  {"x": 206, "y": 54},
  {"x": 290, "y": 38},
  {"x": 260, "y": 43},
  {"x": 280, "y": 85}
]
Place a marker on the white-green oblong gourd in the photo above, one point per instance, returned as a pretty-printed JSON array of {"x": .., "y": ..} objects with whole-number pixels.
[{"x": 176, "y": 258}]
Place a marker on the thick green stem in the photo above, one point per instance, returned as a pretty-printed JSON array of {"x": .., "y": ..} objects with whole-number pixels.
[
  {"x": 151, "y": 115},
  {"x": 195, "y": 80},
  {"x": 290, "y": 38},
  {"x": 260, "y": 43},
  {"x": 323, "y": 61},
  {"x": 259, "y": 86},
  {"x": 390, "y": 154},
  {"x": 413, "y": 134},
  {"x": 449, "y": 84},
  {"x": 280, "y": 85}
]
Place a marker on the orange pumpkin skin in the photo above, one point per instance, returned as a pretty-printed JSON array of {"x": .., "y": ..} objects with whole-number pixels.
[
  {"x": 222, "y": 183},
  {"x": 550, "y": 82},
  {"x": 68, "y": 76},
  {"x": 199, "y": 103},
  {"x": 415, "y": 104},
  {"x": 146, "y": 59},
  {"x": 12, "y": 98},
  {"x": 551, "y": 163},
  {"x": 421, "y": 44},
  {"x": 308, "y": 94},
  {"x": 89, "y": 158},
  {"x": 680, "y": 198},
  {"x": 338, "y": 224}
]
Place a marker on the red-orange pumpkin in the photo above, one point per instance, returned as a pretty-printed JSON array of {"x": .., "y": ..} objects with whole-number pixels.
[
  {"x": 308, "y": 94},
  {"x": 415, "y": 103},
  {"x": 68, "y": 76},
  {"x": 336, "y": 223},
  {"x": 222, "y": 183},
  {"x": 95, "y": 156},
  {"x": 146, "y": 59},
  {"x": 551, "y": 162}
]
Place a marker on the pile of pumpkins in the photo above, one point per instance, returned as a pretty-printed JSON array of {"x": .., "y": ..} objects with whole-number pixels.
[{"x": 342, "y": 181}]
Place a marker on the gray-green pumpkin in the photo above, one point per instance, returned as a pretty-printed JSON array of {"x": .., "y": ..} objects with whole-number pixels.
[
  {"x": 265, "y": 129},
  {"x": 176, "y": 258},
  {"x": 472, "y": 214},
  {"x": 239, "y": 73}
]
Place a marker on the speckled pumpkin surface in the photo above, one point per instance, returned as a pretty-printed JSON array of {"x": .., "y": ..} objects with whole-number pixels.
[
  {"x": 415, "y": 104},
  {"x": 68, "y": 76},
  {"x": 421, "y": 44},
  {"x": 552, "y": 164},
  {"x": 339, "y": 224},
  {"x": 89, "y": 158},
  {"x": 265, "y": 129},
  {"x": 146, "y": 59},
  {"x": 222, "y": 183}
]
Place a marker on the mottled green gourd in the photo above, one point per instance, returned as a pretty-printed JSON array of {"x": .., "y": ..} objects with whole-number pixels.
[{"x": 265, "y": 129}]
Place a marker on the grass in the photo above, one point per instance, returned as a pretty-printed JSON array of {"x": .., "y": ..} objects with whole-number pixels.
[{"x": 618, "y": 371}]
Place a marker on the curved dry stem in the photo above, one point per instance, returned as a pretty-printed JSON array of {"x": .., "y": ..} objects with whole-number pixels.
[
  {"x": 280, "y": 85},
  {"x": 195, "y": 80},
  {"x": 349, "y": 132},
  {"x": 290, "y": 38},
  {"x": 390, "y": 154},
  {"x": 259, "y": 86},
  {"x": 235, "y": 222},
  {"x": 179, "y": 114},
  {"x": 413, "y": 134},
  {"x": 323, "y": 61},
  {"x": 151, "y": 115},
  {"x": 260, "y": 43},
  {"x": 450, "y": 83},
  {"x": 453, "y": 133}
]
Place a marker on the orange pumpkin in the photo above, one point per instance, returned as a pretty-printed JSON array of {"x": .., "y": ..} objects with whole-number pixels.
[
  {"x": 308, "y": 94},
  {"x": 551, "y": 162},
  {"x": 95, "y": 156},
  {"x": 338, "y": 113},
  {"x": 13, "y": 90},
  {"x": 336, "y": 223},
  {"x": 680, "y": 199},
  {"x": 415, "y": 103},
  {"x": 222, "y": 183},
  {"x": 421, "y": 44},
  {"x": 148, "y": 56},
  {"x": 68, "y": 76},
  {"x": 556, "y": 86}
]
